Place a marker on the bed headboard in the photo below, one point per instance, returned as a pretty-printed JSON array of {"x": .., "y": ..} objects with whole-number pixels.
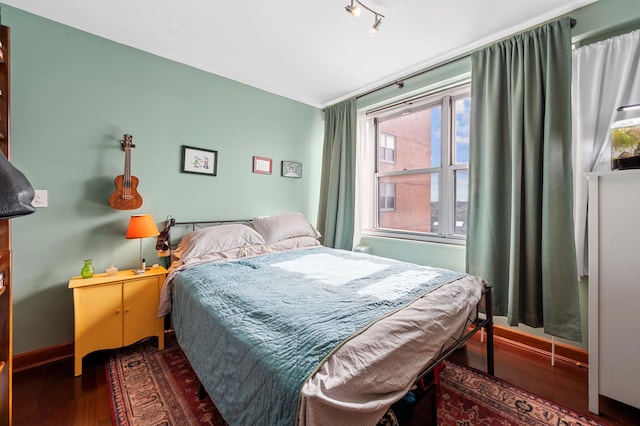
[{"x": 180, "y": 229}]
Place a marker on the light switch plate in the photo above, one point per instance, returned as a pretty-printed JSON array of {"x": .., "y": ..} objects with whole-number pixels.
[{"x": 40, "y": 200}]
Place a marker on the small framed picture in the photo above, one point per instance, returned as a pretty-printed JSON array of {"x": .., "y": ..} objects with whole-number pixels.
[
  {"x": 199, "y": 161},
  {"x": 291, "y": 169},
  {"x": 262, "y": 165}
]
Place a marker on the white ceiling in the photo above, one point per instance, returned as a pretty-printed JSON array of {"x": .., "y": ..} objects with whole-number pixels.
[{"x": 310, "y": 51}]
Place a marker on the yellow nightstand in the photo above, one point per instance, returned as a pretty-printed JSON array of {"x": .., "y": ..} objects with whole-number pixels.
[{"x": 115, "y": 311}]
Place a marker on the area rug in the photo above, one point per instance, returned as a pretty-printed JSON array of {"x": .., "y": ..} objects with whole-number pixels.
[
  {"x": 150, "y": 387},
  {"x": 470, "y": 397}
]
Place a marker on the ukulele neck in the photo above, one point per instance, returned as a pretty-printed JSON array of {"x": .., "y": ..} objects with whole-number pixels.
[
  {"x": 127, "y": 168},
  {"x": 127, "y": 144}
]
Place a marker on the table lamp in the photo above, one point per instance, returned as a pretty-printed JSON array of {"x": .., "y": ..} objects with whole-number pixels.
[{"x": 142, "y": 226}]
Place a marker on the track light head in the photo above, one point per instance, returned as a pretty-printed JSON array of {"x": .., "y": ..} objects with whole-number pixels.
[
  {"x": 376, "y": 26},
  {"x": 353, "y": 9}
]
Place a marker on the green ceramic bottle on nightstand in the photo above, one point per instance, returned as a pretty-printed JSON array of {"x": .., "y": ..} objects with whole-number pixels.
[{"x": 87, "y": 270}]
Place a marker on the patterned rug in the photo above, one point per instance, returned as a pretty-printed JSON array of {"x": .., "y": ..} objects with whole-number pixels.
[
  {"x": 151, "y": 387},
  {"x": 469, "y": 397}
]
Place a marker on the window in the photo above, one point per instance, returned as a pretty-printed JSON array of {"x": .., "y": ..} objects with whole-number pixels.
[
  {"x": 387, "y": 148},
  {"x": 387, "y": 194},
  {"x": 421, "y": 171}
]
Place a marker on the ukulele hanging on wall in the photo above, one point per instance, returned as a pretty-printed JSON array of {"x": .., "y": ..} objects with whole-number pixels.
[{"x": 126, "y": 196}]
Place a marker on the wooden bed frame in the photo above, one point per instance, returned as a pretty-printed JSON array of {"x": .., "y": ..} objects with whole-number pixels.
[{"x": 483, "y": 318}]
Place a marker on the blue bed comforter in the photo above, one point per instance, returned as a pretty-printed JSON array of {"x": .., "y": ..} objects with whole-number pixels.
[{"x": 255, "y": 329}]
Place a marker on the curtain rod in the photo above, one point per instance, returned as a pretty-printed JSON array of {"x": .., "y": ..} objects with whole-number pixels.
[
  {"x": 400, "y": 82},
  {"x": 416, "y": 98}
]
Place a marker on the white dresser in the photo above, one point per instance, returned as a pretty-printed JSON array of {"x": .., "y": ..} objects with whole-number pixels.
[{"x": 614, "y": 287}]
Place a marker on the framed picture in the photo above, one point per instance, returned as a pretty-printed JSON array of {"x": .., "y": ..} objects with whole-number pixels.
[
  {"x": 262, "y": 165},
  {"x": 291, "y": 169},
  {"x": 199, "y": 161}
]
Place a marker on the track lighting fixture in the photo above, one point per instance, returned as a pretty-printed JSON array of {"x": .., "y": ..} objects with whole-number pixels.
[{"x": 354, "y": 9}]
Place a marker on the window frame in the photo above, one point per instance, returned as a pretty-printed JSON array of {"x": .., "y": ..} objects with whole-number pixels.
[{"x": 446, "y": 170}]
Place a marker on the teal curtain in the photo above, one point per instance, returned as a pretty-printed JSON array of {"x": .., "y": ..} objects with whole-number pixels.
[
  {"x": 520, "y": 221},
  {"x": 337, "y": 190}
]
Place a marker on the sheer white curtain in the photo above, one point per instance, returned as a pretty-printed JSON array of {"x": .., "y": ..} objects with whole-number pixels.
[
  {"x": 365, "y": 156},
  {"x": 605, "y": 76}
]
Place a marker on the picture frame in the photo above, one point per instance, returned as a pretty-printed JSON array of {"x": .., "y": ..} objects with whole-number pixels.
[
  {"x": 291, "y": 169},
  {"x": 199, "y": 161},
  {"x": 262, "y": 165}
]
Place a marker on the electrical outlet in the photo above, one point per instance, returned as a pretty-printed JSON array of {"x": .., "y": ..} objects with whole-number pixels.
[{"x": 40, "y": 200}]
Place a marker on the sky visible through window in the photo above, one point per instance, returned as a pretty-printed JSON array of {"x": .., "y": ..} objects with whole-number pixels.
[
  {"x": 463, "y": 109},
  {"x": 462, "y": 116}
]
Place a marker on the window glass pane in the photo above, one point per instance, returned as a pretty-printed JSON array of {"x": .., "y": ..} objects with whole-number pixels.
[
  {"x": 410, "y": 141},
  {"x": 387, "y": 148},
  {"x": 415, "y": 202},
  {"x": 436, "y": 136},
  {"x": 462, "y": 112},
  {"x": 435, "y": 205},
  {"x": 462, "y": 196},
  {"x": 387, "y": 196}
]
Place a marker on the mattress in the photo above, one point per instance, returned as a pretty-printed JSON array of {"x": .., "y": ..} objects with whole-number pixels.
[{"x": 315, "y": 336}]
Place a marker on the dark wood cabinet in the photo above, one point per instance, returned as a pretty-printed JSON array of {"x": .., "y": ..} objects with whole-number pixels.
[
  {"x": 5, "y": 246},
  {"x": 5, "y": 338}
]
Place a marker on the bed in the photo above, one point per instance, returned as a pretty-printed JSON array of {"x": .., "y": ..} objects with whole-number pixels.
[{"x": 281, "y": 330}]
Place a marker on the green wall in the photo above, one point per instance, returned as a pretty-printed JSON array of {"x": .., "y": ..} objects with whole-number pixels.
[{"x": 73, "y": 96}]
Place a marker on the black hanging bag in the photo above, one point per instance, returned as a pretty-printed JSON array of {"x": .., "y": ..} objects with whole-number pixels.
[{"x": 16, "y": 193}]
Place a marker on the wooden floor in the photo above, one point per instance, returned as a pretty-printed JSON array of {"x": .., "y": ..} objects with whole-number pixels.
[{"x": 50, "y": 395}]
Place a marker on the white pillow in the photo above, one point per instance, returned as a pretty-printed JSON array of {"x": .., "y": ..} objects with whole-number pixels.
[
  {"x": 216, "y": 239},
  {"x": 292, "y": 244},
  {"x": 280, "y": 227}
]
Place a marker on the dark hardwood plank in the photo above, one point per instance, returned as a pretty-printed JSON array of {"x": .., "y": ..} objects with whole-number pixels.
[{"x": 51, "y": 395}]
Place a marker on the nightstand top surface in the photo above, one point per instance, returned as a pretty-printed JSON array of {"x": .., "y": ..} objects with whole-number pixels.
[{"x": 123, "y": 275}]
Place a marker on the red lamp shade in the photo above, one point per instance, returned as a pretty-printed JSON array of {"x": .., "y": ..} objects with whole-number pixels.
[{"x": 142, "y": 226}]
